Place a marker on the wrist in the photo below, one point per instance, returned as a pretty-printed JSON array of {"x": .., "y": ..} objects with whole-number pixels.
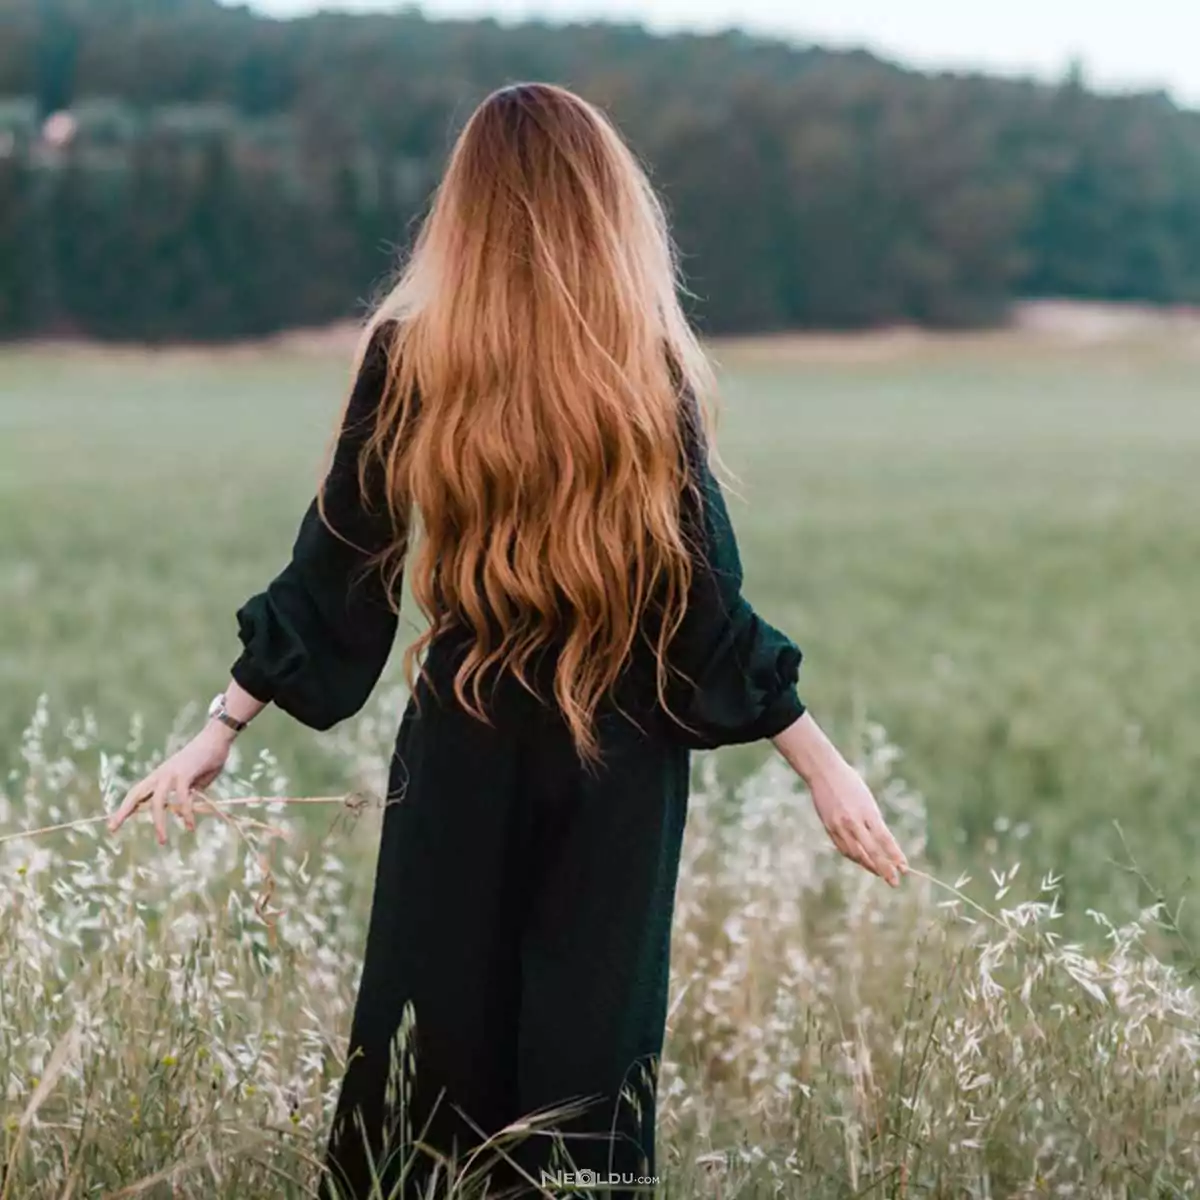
[
  {"x": 809, "y": 752},
  {"x": 221, "y": 715},
  {"x": 219, "y": 734}
]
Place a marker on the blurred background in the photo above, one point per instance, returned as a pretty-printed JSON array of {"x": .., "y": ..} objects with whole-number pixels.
[
  {"x": 179, "y": 169},
  {"x": 947, "y": 259}
]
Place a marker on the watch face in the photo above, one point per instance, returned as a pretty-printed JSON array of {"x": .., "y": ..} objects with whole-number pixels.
[{"x": 217, "y": 704}]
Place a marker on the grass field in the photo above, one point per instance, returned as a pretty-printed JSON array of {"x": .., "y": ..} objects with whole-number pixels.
[{"x": 990, "y": 551}]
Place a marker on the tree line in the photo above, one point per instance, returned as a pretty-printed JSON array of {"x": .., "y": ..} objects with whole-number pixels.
[{"x": 221, "y": 174}]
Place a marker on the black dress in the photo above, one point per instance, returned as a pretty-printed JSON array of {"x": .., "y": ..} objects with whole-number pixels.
[{"x": 522, "y": 903}]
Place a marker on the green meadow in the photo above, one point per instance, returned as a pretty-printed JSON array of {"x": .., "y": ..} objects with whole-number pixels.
[{"x": 990, "y": 551}]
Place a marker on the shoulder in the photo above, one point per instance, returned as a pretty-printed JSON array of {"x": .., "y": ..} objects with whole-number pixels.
[
  {"x": 692, "y": 431},
  {"x": 379, "y": 346},
  {"x": 372, "y": 369}
]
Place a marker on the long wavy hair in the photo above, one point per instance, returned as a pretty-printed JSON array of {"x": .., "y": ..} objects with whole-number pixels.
[{"x": 530, "y": 433}]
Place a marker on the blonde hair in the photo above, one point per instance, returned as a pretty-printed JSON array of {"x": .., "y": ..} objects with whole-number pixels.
[{"x": 532, "y": 418}]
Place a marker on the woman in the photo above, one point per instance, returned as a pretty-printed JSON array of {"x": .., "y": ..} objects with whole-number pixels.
[{"x": 525, "y": 441}]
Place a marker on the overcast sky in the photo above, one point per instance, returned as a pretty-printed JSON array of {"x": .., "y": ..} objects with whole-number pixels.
[{"x": 1147, "y": 43}]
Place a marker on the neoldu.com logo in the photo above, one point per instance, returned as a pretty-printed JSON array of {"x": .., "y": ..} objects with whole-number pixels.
[{"x": 562, "y": 1180}]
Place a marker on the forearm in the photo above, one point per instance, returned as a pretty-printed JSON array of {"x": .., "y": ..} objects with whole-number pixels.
[
  {"x": 808, "y": 751},
  {"x": 241, "y": 705}
]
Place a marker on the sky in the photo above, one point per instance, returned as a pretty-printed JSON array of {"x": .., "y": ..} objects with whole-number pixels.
[{"x": 1122, "y": 44}]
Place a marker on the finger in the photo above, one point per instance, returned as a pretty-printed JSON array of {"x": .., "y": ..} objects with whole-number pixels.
[
  {"x": 132, "y": 802},
  {"x": 861, "y": 852},
  {"x": 878, "y": 826},
  {"x": 881, "y": 861},
  {"x": 848, "y": 845},
  {"x": 867, "y": 861},
  {"x": 158, "y": 808},
  {"x": 841, "y": 843},
  {"x": 894, "y": 853},
  {"x": 187, "y": 812},
  {"x": 888, "y": 845}
]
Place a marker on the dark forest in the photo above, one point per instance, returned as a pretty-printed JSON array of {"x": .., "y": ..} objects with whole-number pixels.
[{"x": 224, "y": 175}]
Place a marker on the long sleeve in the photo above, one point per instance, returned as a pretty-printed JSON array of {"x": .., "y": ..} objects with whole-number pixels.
[
  {"x": 741, "y": 672},
  {"x": 316, "y": 641}
]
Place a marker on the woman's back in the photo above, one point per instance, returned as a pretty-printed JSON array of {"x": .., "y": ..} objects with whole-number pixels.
[{"x": 529, "y": 429}]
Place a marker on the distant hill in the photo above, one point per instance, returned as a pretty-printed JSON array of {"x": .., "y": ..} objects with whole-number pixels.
[{"x": 223, "y": 174}]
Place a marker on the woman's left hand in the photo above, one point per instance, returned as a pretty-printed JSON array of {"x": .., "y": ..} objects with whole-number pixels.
[{"x": 195, "y": 766}]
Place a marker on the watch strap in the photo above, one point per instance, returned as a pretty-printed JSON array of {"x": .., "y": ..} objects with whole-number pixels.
[{"x": 218, "y": 712}]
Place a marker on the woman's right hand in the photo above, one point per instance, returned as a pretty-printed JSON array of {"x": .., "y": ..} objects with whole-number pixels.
[
  {"x": 854, "y": 823},
  {"x": 193, "y": 767},
  {"x": 843, "y": 801}
]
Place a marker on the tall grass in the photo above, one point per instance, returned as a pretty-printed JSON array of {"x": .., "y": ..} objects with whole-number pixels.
[{"x": 173, "y": 1023}]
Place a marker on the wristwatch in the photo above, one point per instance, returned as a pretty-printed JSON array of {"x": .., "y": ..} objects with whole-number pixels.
[{"x": 218, "y": 712}]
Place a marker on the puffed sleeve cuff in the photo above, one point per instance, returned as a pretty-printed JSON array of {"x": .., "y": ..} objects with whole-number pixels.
[
  {"x": 273, "y": 652},
  {"x": 784, "y": 707},
  {"x": 275, "y": 663},
  {"x": 315, "y": 655},
  {"x": 749, "y": 692},
  {"x": 252, "y": 679}
]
